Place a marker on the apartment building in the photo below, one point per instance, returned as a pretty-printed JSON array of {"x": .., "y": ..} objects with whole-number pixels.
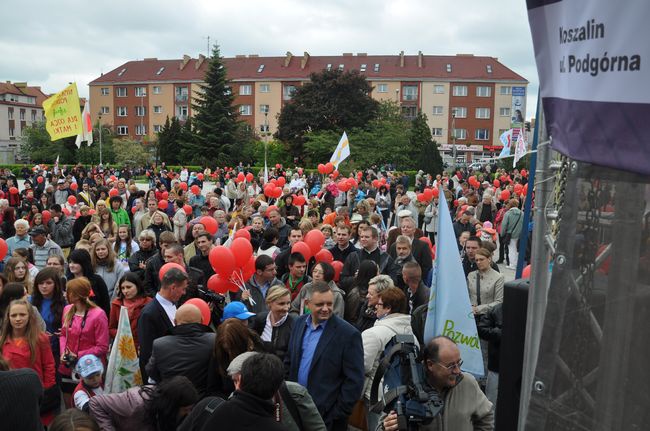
[
  {"x": 468, "y": 100},
  {"x": 20, "y": 106}
]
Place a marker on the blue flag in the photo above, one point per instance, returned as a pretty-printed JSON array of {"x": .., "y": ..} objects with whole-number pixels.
[{"x": 450, "y": 312}]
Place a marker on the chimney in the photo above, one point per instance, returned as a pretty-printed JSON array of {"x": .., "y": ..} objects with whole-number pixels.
[
  {"x": 186, "y": 59},
  {"x": 347, "y": 54},
  {"x": 362, "y": 54},
  {"x": 240, "y": 56},
  {"x": 20, "y": 84},
  {"x": 401, "y": 59},
  {"x": 287, "y": 59},
  {"x": 305, "y": 59},
  {"x": 420, "y": 59},
  {"x": 199, "y": 62},
  {"x": 253, "y": 55}
]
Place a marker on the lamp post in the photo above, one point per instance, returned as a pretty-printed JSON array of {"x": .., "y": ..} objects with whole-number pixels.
[
  {"x": 453, "y": 136},
  {"x": 99, "y": 125}
]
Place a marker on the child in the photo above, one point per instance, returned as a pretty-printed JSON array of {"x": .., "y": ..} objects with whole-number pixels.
[
  {"x": 124, "y": 246},
  {"x": 90, "y": 370}
]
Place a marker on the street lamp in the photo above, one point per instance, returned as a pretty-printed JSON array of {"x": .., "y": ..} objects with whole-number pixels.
[
  {"x": 99, "y": 124},
  {"x": 453, "y": 136}
]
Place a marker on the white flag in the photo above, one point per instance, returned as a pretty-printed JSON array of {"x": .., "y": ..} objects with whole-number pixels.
[
  {"x": 341, "y": 152},
  {"x": 123, "y": 370},
  {"x": 520, "y": 149},
  {"x": 506, "y": 140},
  {"x": 87, "y": 127}
]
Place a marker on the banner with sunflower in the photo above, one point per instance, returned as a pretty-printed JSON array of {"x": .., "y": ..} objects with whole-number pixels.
[{"x": 123, "y": 371}]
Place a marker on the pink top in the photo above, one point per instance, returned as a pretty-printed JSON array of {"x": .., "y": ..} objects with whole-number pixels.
[{"x": 91, "y": 339}]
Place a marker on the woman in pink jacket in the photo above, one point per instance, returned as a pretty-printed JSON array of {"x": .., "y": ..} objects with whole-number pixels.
[{"x": 84, "y": 331}]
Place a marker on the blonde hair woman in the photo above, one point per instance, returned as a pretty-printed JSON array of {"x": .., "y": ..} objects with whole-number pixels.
[{"x": 274, "y": 326}]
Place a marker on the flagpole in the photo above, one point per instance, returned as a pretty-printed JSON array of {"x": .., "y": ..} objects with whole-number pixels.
[{"x": 99, "y": 126}]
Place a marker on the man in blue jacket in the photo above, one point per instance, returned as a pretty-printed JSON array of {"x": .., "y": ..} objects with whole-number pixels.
[{"x": 326, "y": 356}]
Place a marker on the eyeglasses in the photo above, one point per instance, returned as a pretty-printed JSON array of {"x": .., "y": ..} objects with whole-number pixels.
[{"x": 450, "y": 367}]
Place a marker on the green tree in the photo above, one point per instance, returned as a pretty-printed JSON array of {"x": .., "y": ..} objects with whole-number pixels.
[
  {"x": 129, "y": 152},
  {"x": 425, "y": 151},
  {"x": 332, "y": 100},
  {"x": 216, "y": 121},
  {"x": 169, "y": 139}
]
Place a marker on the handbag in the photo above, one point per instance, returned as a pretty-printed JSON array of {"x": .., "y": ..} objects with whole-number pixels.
[
  {"x": 359, "y": 416},
  {"x": 51, "y": 399}
]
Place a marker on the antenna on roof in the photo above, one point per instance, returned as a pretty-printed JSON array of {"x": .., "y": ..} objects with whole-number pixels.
[{"x": 207, "y": 54}]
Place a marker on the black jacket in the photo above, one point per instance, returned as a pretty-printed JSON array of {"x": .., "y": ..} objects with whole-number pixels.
[
  {"x": 421, "y": 254},
  {"x": 341, "y": 255},
  {"x": 279, "y": 343},
  {"x": 136, "y": 258},
  {"x": 185, "y": 352},
  {"x": 471, "y": 266},
  {"x": 244, "y": 412},
  {"x": 202, "y": 263},
  {"x": 152, "y": 324},
  {"x": 489, "y": 329},
  {"x": 386, "y": 266}
]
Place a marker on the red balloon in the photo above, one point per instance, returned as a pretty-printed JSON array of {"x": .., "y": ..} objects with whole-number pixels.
[
  {"x": 281, "y": 181},
  {"x": 165, "y": 195},
  {"x": 376, "y": 184},
  {"x": 435, "y": 192},
  {"x": 199, "y": 176},
  {"x": 518, "y": 188},
  {"x": 243, "y": 233},
  {"x": 222, "y": 260},
  {"x": 329, "y": 167},
  {"x": 496, "y": 183},
  {"x": 335, "y": 174},
  {"x": 277, "y": 192},
  {"x": 113, "y": 178},
  {"x": 240, "y": 178},
  {"x": 13, "y": 190},
  {"x": 420, "y": 197},
  {"x": 72, "y": 200},
  {"x": 428, "y": 194},
  {"x": 322, "y": 169},
  {"x": 249, "y": 177},
  {"x": 92, "y": 211},
  {"x": 4, "y": 248},
  {"x": 324, "y": 255},
  {"x": 242, "y": 250},
  {"x": 113, "y": 192},
  {"x": 210, "y": 224},
  {"x": 166, "y": 267},
  {"x": 183, "y": 186},
  {"x": 278, "y": 166},
  {"x": 219, "y": 284},
  {"x": 187, "y": 209},
  {"x": 299, "y": 200},
  {"x": 203, "y": 307},
  {"x": 46, "y": 216},
  {"x": 526, "y": 272},
  {"x": 133, "y": 210},
  {"x": 196, "y": 190},
  {"x": 249, "y": 269},
  {"x": 163, "y": 205},
  {"x": 302, "y": 248},
  {"x": 338, "y": 267},
  {"x": 343, "y": 185},
  {"x": 505, "y": 195},
  {"x": 273, "y": 181},
  {"x": 315, "y": 240},
  {"x": 271, "y": 208},
  {"x": 39, "y": 180},
  {"x": 74, "y": 186}
]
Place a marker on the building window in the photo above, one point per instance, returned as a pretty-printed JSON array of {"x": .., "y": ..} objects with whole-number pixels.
[
  {"x": 439, "y": 89},
  {"x": 122, "y": 111},
  {"x": 460, "y": 90},
  {"x": 264, "y": 109},
  {"x": 140, "y": 91},
  {"x": 33, "y": 115},
  {"x": 264, "y": 128},
  {"x": 287, "y": 92},
  {"x": 438, "y": 110},
  {"x": 157, "y": 89},
  {"x": 245, "y": 90},
  {"x": 409, "y": 112},
  {"x": 260, "y": 69},
  {"x": 122, "y": 130},
  {"x": 459, "y": 133},
  {"x": 10, "y": 113},
  {"x": 11, "y": 132},
  {"x": 459, "y": 112},
  {"x": 341, "y": 67},
  {"x": 181, "y": 112},
  {"x": 105, "y": 91},
  {"x": 181, "y": 94},
  {"x": 376, "y": 68},
  {"x": 140, "y": 111},
  {"x": 436, "y": 131},
  {"x": 104, "y": 110},
  {"x": 157, "y": 128},
  {"x": 245, "y": 110},
  {"x": 448, "y": 67},
  {"x": 504, "y": 112},
  {"x": 505, "y": 91},
  {"x": 157, "y": 109},
  {"x": 121, "y": 91},
  {"x": 410, "y": 92},
  {"x": 382, "y": 88},
  {"x": 22, "y": 115},
  {"x": 489, "y": 68},
  {"x": 483, "y": 113},
  {"x": 482, "y": 134},
  {"x": 329, "y": 66},
  {"x": 363, "y": 68},
  {"x": 140, "y": 130},
  {"x": 483, "y": 91},
  {"x": 265, "y": 88}
]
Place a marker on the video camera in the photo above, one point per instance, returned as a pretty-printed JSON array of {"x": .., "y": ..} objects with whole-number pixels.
[
  {"x": 210, "y": 297},
  {"x": 404, "y": 385}
]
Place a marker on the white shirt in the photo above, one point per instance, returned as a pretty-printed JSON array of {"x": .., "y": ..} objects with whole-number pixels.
[{"x": 168, "y": 306}]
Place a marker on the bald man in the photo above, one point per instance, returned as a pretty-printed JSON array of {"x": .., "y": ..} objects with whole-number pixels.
[{"x": 185, "y": 352}]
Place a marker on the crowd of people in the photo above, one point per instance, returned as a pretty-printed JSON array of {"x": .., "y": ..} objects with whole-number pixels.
[{"x": 296, "y": 347}]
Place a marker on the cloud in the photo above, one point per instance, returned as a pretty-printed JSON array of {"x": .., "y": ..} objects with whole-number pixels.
[{"x": 54, "y": 43}]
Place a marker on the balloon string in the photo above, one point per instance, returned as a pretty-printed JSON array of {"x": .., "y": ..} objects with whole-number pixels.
[{"x": 238, "y": 280}]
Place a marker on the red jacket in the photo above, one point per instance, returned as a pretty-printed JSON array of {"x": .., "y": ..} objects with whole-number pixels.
[
  {"x": 134, "y": 308},
  {"x": 17, "y": 353}
]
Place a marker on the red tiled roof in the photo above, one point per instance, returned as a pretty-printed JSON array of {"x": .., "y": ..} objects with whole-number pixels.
[
  {"x": 12, "y": 88},
  {"x": 463, "y": 67}
]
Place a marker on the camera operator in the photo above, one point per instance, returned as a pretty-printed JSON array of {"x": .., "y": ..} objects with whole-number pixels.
[{"x": 466, "y": 407}]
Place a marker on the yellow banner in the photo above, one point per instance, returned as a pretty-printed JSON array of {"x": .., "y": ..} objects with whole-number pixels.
[{"x": 62, "y": 114}]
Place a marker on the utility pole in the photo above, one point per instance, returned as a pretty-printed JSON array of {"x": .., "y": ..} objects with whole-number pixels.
[
  {"x": 208, "y": 46},
  {"x": 99, "y": 124},
  {"x": 453, "y": 137}
]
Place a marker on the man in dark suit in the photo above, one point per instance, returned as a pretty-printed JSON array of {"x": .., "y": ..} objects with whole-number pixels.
[
  {"x": 416, "y": 291},
  {"x": 419, "y": 249},
  {"x": 158, "y": 316},
  {"x": 326, "y": 356}
]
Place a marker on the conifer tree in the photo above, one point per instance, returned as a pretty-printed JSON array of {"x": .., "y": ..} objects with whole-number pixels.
[{"x": 424, "y": 148}]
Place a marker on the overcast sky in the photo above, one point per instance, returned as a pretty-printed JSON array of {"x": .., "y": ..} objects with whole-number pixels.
[{"x": 52, "y": 43}]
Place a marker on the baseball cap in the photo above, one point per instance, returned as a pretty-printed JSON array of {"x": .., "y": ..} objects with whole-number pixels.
[
  {"x": 237, "y": 363},
  {"x": 404, "y": 213},
  {"x": 356, "y": 218},
  {"x": 236, "y": 310},
  {"x": 89, "y": 365},
  {"x": 37, "y": 230}
]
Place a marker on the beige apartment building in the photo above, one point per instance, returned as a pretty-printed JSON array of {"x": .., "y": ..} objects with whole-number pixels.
[
  {"x": 468, "y": 100},
  {"x": 20, "y": 106}
]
